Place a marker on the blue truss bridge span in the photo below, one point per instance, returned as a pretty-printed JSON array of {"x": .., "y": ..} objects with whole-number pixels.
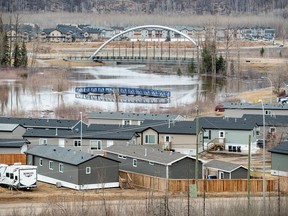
[{"x": 124, "y": 91}]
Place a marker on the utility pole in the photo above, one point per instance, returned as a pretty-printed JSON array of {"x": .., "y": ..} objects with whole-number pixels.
[
  {"x": 248, "y": 175},
  {"x": 197, "y": 144}
]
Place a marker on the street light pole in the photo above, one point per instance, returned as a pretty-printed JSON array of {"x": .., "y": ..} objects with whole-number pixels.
[
  {"x": 271, "y": 86},
  {"x": 264, "y": 164}
]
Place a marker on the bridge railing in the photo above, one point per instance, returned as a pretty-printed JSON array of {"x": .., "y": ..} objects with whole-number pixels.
[{"x": 124, "y": 91}]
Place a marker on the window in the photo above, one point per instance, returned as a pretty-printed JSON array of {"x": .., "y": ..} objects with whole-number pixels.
[
  {"x": 77, "y": 143},
  {"x": 150, "y": 139},
  {"x": 134, "y": 162},
  {"x": 272, "y": 130},
  {"x": 40, "y": 162},
  {"x": 126, "y": 122},
  {"x": 122, "y": 156},
  {"x": 51, "y": 165},
  {"x": 42, "y": 141},
  {"x": 221, "y": 134},
  {"x": 61, "y": 168},
  {"x": 88, "y": 170},
  {"x": 166, "y": 138},
  {"x": 268, "y": 112},
  {"x": 221, "y": 175},
  {"x": 257, "y": 131},
  {"x": 96, "y": 144}
]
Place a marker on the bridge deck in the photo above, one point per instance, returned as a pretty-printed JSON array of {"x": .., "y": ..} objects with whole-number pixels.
[{"x": 124, "y": 91}]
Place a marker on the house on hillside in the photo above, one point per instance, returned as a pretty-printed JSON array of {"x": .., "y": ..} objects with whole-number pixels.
[
  {"x": 122, "y": 118},
  {"x": 225, "y": 170},
  {"x": 44, "y": 123},
  {"x": 179, "y": 136},
  {"x": 154, "y": 161},
  {"x": 237, "y": 110},
  {"x": 229, "y": 134},
  {"x": 94, "y": 139},
  {"x": 13, "y": 146},
  {"x": 274, "y": 126},
  {"x": 11, "y": 130},
  {"x": 73, "y": 169},
  {"x": 279, "y": 159}
]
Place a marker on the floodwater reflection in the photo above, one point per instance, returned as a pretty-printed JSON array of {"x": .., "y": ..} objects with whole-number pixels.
[{"x": 32, "y": 97}]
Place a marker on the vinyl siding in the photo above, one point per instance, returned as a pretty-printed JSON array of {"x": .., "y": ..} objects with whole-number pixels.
[
  {"x": 185, "y": 169},
  {"x": 279, "y": 162},
  {"x": 103, "y": 171},
  {"x": 143, "y": 167}
]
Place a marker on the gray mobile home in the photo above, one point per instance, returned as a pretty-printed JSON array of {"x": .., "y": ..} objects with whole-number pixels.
[
  {"x": 225, "y": 170},
  {"x": 73, "y": 169},
  {"x": 154, "y": 161}
]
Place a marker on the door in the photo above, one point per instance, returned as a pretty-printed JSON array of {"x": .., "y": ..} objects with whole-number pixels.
[{"x": 221, "y": 136}]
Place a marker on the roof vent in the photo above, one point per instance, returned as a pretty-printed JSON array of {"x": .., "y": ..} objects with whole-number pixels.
[{"x": 54, "y": 149}]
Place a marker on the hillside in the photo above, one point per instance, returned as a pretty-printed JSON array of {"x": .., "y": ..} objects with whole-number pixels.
[{"x": 149, "y": 6}]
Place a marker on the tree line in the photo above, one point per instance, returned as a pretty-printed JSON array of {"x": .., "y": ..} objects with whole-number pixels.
[
  {"x": 12, "y": 54},
  {"x": 224, "y": 7}
]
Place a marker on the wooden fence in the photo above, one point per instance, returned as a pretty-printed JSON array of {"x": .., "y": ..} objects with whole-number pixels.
[
  {"x": 213, "y": 185},
  {"x": 12, "y": 158}
]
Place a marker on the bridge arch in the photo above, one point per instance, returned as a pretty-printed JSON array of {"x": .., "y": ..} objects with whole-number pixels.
[{"x": 142, "y": 27}]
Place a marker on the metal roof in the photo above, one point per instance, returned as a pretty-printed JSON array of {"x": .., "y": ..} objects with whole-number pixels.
[
  {"x": 255, "y": 106},
  {"x": 282, "y": 148},
  {"x": 36, "y": 122},
  {"x": 222, "y": 165},
  {"x": 226, "y": 123},
  {"x": 8, "y": 127},
  {"x": 149, "y": 153},
  {"x": 12, "y": 143},
  {"x": 270, "y": 120},
  {"x": 61, "y": 154}
]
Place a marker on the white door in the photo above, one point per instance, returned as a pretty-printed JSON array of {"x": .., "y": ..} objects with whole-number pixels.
[
  {"x": 221, "y": 136},
  {"x": 61, "y": 143}
]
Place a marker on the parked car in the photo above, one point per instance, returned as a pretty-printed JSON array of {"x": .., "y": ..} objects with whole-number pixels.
[
  {"x": 219, "y": 108},
  {"x": 283, "y": 100}
]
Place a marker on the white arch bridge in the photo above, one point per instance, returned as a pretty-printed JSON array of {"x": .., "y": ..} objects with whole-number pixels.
[{"x": 96, "y": 57}]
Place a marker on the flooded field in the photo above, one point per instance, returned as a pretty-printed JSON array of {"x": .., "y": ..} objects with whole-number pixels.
[{"x": 42, "y": 97}]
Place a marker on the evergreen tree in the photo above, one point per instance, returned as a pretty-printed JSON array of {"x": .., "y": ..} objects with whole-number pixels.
[
  {"x": 262, "y": 51},
  {"x": 17, "y": 56},
  {"x": 5, "y": 55},
  {"x": 24, "y": 58},
  {"x": 220, "y": 64}
]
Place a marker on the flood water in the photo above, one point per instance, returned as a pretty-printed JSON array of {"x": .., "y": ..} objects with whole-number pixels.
[{"x": 184, "y": 90}]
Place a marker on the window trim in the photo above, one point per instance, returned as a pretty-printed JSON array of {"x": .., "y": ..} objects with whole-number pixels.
[
  {"x": 61, "y": 167},
  {"x": 122, "y": 157},
  {"x": 76, "y": 141},
  {"x": 221, "y": 175},
  {"x": 147, "y": 138},
  {"x": 99, "y": 143},
  {"x": 220, "y": 132},
  {"x": 43, "y": 141},
  {"x": 134, "y": 162},
  {"x": 51, "y": 165},
  {"x": 40, "y": 162},
  {"x": 88, "y": 170}
]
